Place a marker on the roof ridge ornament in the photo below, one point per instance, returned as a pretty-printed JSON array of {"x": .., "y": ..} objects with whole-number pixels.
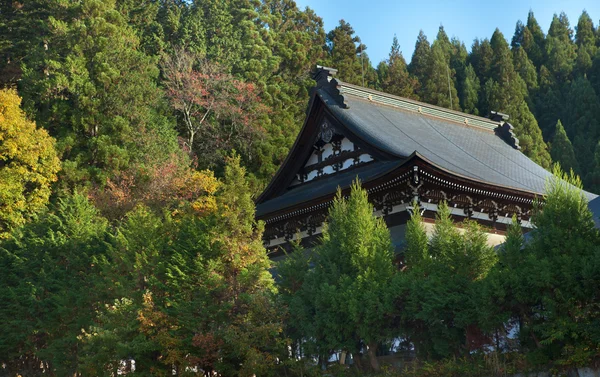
[
  {"x": 505, "y": 131},
  {"x": 324, "y": 76}
]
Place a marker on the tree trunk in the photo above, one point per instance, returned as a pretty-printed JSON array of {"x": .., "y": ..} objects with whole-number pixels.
[
  {"x": 357, "y": 360},
  {"x": 372, "y": 351},
  {"x": 343, "y": 357}
]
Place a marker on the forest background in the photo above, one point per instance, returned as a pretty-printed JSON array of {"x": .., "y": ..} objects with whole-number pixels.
[{"x": 123, "y": 207}]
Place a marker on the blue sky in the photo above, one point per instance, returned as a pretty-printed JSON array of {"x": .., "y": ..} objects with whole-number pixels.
[{"x": 376, "y": 21}]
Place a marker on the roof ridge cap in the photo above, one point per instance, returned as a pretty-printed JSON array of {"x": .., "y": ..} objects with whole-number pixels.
[{"x": 353, "y": 87}]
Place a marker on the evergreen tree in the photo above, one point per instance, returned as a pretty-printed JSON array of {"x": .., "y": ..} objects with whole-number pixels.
[
  {"x": 344, "y": 50},
  {"x": 525, "y": 69},
  {"x": 394, "y": 77},
  {"x": 517, "y": 39},
  {"x": 506, "y": 91},
  {"x": 470, "y": 91},
  {"x": 560, "y": 49},
  {"x": 420, "y": 61},
  {"x": 546, "y": 290},
  {"x": 439, "y": 86},
  {"x": 458, "y": 63},
  {"x": 481, "y": 58},
  {"x": 561, "y": 150},
  {"x": 585, "y": 39},
  {"x": 348, "y": 291},
  {"x": 93, "y": 89},
  {"x": 50, "y": 290},
  {"x": 534, "y": 40},
  {"x": 438, "y": 304},
  {"x": 581, "y": 118}
]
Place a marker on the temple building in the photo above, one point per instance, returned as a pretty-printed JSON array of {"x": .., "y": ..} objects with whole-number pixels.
[{"x": 402, "y": 151}]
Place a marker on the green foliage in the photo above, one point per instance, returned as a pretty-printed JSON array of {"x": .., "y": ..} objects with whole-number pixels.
[
  {"x": 439, "y": 304},
  {"x": 393, "y": 74},
  {"x": 470, "y": 91},
  {"x": 585, "y": 39},
  {"x": 345, "y": 299},
  {"x": 49, "y": 279},
  {"x": 543, "y": 286},
  {"x": 420, "y": 59},
  {"x": 28, "y": 164},
  {"x": 561, "y": 149},
  {"x": 560, "y": 49},
  {"x": 93, "y": 89},
  {"x": 439, "y": 88}
]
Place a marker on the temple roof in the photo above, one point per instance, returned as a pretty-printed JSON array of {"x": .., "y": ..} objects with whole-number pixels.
[
  {"x": 393, "y": 129},
  {"x": 471, "y": 151}
]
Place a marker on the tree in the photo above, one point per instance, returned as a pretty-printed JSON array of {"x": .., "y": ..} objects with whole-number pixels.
[
  {"x": 218, "y": 111},
  {"x": 585, "y": 39},
  {"x": 481, "y": 58},
  {"x": 525, "y": 69},
  {"x": 50, "y": 287},
  {"x": 439, "y": 86},
  {"x": 560, "y": 49},
  {"x": 534, "y": 40},
  {"x": 561, "y": 150},
  {"x": 92, "y": 88},
  {"x": 506, "y": 91},
  {"x": 470, "y": 93},
  {"x": 581, "y": 118},
  {"x": 547, "y": 290},
  {"x": 420, "y": 61},
  {"x": 28, "y": 165},
  {"x": 438, "y": 305},
  {"x": 343, "y": 53},
  {"x": 394, "y": 77},
  {"x": 347, "y": 292}
]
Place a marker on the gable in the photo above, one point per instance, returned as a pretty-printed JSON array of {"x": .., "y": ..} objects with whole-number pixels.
[{"x": 331, "y": 153}]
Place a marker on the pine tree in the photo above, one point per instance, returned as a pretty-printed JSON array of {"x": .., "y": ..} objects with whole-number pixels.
[
  {"x": 585, "y": 39},
  {"x": 394, "y": 78},
  {"x": 581, "y": 117},
  {"x": 348, "y": 290},
  {"x": 517, "y": 39},
  {"x": 561, "y": 150},
  {"x": 438, "y": 304},
  {"x": 50, "y": 287}
]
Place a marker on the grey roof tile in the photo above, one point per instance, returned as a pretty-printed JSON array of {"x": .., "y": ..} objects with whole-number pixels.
[{"x": 473, "y": 152}]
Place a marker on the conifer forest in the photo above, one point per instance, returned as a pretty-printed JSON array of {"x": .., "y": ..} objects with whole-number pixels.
[{"x": 135, "y": 137}]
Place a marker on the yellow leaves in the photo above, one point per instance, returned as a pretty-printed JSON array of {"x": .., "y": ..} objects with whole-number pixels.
[
  {"x": 205, "y": 183},
  {"x": 28, "y": 164}
]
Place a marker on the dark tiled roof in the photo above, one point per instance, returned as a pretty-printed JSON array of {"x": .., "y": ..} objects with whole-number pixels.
[
  {"x": 326, "y": 185},
  {"x": 471, "y": 151},
  {"x": 462, "y": 144}
]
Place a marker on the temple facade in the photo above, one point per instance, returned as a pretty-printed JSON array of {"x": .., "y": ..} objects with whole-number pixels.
[{"x": 403, "y": 151}]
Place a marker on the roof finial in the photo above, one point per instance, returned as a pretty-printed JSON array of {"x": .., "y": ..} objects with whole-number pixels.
[{"x": 323, "y": 74}]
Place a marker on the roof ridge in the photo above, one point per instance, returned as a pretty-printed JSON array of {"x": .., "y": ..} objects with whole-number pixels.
[{"x": 415, "y": 106}]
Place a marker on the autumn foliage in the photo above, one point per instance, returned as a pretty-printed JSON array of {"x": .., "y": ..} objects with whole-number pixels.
[{"x": 28, "y": 164}]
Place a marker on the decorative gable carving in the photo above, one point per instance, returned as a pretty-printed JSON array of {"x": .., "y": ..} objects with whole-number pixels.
[{"x": 332, "y": 153}]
